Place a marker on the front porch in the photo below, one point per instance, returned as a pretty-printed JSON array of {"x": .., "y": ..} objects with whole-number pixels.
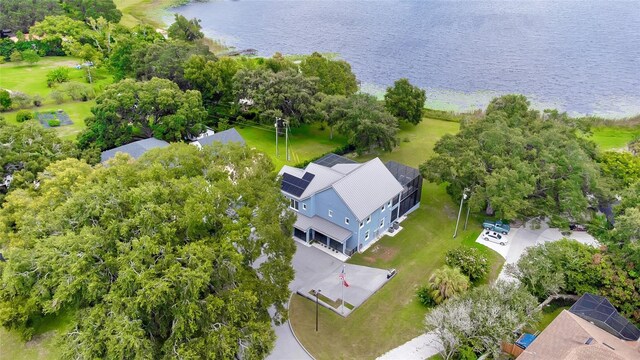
[{"x": 323, "y": 232}]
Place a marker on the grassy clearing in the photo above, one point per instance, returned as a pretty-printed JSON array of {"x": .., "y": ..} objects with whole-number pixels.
[
  {"x": 135, "y": 12},
  {"x": 42, "y": 345},
  {"x": 77, "y": 111},
  {"x": 393, "y": 315},
  {"x": 305, "y": 142},
  {"x": 614, "y": 137}
]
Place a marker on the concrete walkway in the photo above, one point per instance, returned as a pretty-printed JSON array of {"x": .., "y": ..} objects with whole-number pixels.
[{"x": 419, "y": 348}]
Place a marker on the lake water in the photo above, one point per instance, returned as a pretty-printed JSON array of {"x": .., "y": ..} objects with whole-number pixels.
[{"x": 579, "y": 56}]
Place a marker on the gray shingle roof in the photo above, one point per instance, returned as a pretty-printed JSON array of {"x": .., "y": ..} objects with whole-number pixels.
[
  {"x": 230, "y": 135},
  {"x": 135, "y": 149}
]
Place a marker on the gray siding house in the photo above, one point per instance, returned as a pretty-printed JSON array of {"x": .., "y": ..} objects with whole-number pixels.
[{"x": 342, "y": 204}]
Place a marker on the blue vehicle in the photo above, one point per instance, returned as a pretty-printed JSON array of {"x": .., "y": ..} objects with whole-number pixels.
[{"x": 497, "y": 226}]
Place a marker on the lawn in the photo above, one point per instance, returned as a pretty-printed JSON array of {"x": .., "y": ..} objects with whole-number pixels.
[
  {"x": 393, "y": 315},
  {"x": 136, "y": 12},
  {"x": 610, "y": 138},
  {"x": 305, "y": 142},
  {"x": 41, "y": 346},
  {"x": 32, "y": 79},
  {"x": 77, "y": 111}
]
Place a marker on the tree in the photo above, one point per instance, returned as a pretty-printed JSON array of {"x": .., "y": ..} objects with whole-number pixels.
[
  {"x": 184, "y": 29},
  {"x": 564, "y": 266},
  {"x": 470, "y": 262},
  {"x": 622, "y": 167},
  {"x": 94, "y": 9},
  {"x": 331, "y": 109},
  {"x": 479, "y": 321},
  {"x": 334, "y": 76},
  {"x": 286, "y": 94},
  {"x": 405, "y": 101},
  {"x": 5, "y": 100},
  {"x": 156, "y": 108},
  {"x": 20, "y": 15},
  {"x": 447, "y": 282},
  {"x": 27, "y": 150},
  {"x": 519, "y": 167},
  {"x": 180, "y": 254},
  {"x": 367, "y": 125},
  {"x": 57, "y": 76},
  {"x": 122, "y": 55},
  {"x": 214, "y": 79}
]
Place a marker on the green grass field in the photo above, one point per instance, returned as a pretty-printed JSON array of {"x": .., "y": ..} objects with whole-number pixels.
[
  {"x": 611, "y": 138},
  {"x": 393, "y": 315},
  {"x": 77, "y": 111},
  {"x": 43, "y": 345},
  {"x": 136, "y": 12},
  {"x": 305, "y": 142}
]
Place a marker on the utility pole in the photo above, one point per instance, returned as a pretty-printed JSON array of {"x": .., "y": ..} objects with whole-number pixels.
[
  {"x": 286, "y": 139},
  {"x": 467, "y": 219},
  {"x": 464, "y": 197},
  {"x": 317, "y": 292},
  {"x": 277, "y": 133}
]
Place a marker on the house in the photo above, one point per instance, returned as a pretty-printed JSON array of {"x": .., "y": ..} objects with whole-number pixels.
[
  {"x": 344, "y": 204},
  {"x": 590, "y": 329},
  {"x": 135, "y": 149},
  {"x": 226, "y": 136}
]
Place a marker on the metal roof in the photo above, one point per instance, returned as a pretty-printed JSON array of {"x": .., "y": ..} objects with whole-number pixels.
[
  {"x": 321, "y": 225},
  {"x": 230, "y": 135},
  {"x": 599, "y": 310},
  {"x": 135, "y": 149}
]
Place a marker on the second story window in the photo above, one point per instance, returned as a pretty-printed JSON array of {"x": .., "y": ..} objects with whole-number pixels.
[
  {"x": 361, "y": 224},
  {"x": 294, "y": 205},
  {"x": 369, "y": 219},
  {"x": 346, "y": 220},
  {"x": 389, "y": 204},
  {"x": 382, "y": 208},
  {"x": 330, "y": 213},
  {"x": 304, "y": 206}
]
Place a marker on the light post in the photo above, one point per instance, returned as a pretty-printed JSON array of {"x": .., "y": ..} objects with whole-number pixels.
[
  {"x": 467, "y": 219},
  {"x": 464, "y": 197},
  {"x": 317, "y": 292}
]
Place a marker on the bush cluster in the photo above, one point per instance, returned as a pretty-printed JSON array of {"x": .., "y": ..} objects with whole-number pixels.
[{"x": 470, "y": 261}]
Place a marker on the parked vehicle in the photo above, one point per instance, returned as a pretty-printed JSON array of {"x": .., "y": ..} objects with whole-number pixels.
[
  {"x": 497, "y": 226},
  {"x": 495, "y": 237},
  {"x": 577, "y": 227}
]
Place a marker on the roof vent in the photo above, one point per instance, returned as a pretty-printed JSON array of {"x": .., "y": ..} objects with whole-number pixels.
[{"x": 589, "y": 341}]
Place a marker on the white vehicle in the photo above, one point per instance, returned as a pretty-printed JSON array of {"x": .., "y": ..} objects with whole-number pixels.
[{"x": 495, "y": 237}]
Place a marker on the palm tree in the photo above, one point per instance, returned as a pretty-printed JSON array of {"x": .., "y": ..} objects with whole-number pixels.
[{"x": 447, "y": 282}]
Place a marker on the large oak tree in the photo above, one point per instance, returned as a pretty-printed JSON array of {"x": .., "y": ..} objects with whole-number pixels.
[{"x": 180, "y": 254}]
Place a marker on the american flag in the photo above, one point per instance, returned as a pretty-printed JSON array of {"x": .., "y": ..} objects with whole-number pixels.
[{"x": 343, "y": 276}]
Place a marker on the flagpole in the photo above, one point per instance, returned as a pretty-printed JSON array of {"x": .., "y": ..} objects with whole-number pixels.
[{"x": 342, "y": 284}]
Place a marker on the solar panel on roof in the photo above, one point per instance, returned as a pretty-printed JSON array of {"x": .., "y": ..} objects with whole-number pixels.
[
  {"x": 294, "y": 185},
  {"x": 332, "y": 159},
  {"x": 598, "y": 309}
]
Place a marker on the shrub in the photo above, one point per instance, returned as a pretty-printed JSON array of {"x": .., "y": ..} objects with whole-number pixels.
[
  {"x": 54, "y": 122},
  {"x": 447, "y": 282},
  {"x": 57, "y": 76},
  {"x": 21, "y": 100},
  {"x": 424, "y": 296},
  {"x": 30, "y": 56},
  {"x": 5, "y": 100},
  {"x": 79, "y": 91},
  {"x": 37, "y": 100},
  {"x": 57, "y": 96},
  {"x": 470, "y": 261},
  {"x": 15, "y": 56},
  {"x": 24, "y": 115}
]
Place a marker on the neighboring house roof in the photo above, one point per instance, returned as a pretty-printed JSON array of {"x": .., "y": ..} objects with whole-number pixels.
[
  {"x": 598, "y": 310},
  {"x": 326, "y": 227},
  {"x": 362, "y": 187},
  {"x": 570, "y": 337},
  {"x": 230, "y": 135},
  {"x": 135, "y": 149}
]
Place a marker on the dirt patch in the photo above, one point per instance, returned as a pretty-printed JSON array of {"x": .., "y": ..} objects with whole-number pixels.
[
  {"x": 37, "y": 340},
  {"x": 383, "y": 253}
]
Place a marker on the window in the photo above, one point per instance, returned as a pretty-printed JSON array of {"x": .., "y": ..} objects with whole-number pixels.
[
  {"x": 389, "y": 204},
  {"x": 330, "y": 213},
  {"x": 304, "y": 206},
  {"x": 361, "y": 224},
  {"x": 369, "y": 219},
  {"x": 366, "y": 235},
  {"x": 346, "y": 220},
  {"x": 294, "y": 205},
  {"x": 382, "y": 222},
  {"x": 382, "y": 208}
]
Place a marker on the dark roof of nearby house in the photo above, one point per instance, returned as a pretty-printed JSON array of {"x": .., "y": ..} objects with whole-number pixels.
[
  {"x": 599, "y": 311},
  {"x": 332, "y": 159},
  {"x": 403, "y": 173},
  {"x": 226, "y": 136},
  {"x": 135, "y": 149}
]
